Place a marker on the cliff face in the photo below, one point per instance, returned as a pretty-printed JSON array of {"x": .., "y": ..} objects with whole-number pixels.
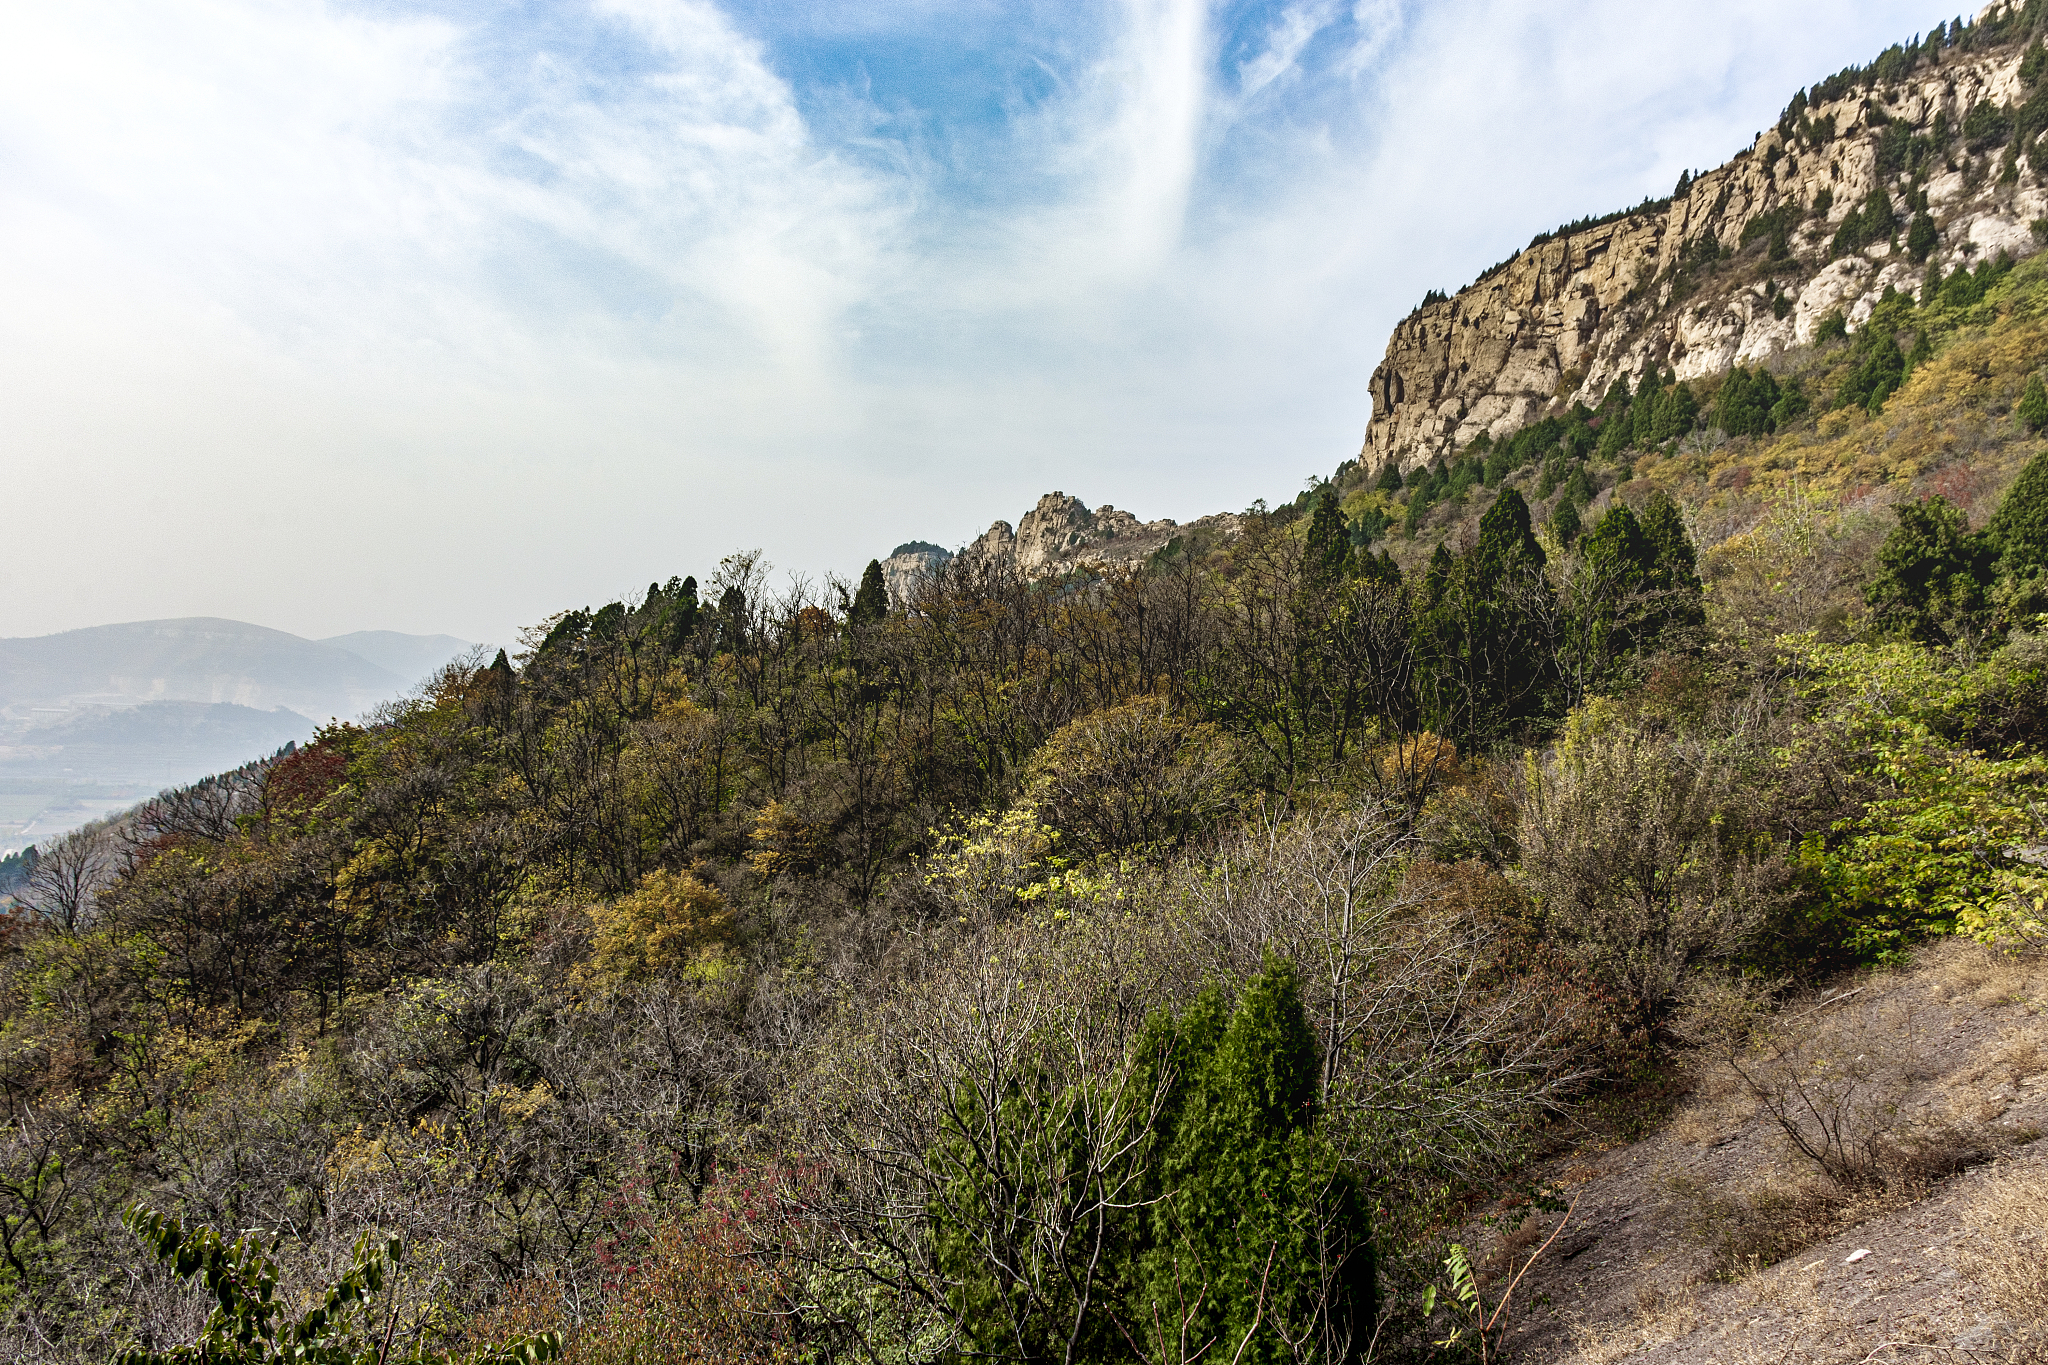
[{"x": 1565, "y": 319}]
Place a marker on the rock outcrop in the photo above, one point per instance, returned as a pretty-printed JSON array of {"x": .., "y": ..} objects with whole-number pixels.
[
  {"x": 1567, "y": 317},
  {"x": 1059, "y": 536}
]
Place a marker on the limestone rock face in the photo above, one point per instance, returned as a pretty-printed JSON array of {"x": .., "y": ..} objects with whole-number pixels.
[
  {"x": 1564, "y": 319},
  {"x": 906, "y": 571},
  {"x": 1061, "y": 534}
]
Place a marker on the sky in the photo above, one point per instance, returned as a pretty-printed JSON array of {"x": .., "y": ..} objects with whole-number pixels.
[{"x": 445, "y": 316}]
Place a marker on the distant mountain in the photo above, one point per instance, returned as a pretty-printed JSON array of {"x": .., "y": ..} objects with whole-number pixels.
[
  {"x": 411, "y": 657},
  {"x": 194, "y": 659},
  {"x": 92, "y": 719},
  {"x": 158, "y": 743}
]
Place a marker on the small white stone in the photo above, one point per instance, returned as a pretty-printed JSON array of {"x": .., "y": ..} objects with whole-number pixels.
[{"x": 1853, "y": 1257}]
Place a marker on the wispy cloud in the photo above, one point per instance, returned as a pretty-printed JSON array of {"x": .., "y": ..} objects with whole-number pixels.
[
  {"x": 1284, "y": 41},
  {"x": 439, "y": 317}
]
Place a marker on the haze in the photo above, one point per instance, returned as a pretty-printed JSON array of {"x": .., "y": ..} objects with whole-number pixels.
[{"x": 442, "y": 317}]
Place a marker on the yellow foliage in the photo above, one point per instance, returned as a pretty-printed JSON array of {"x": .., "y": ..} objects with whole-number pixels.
[
  {"x": 672, "y": 920},
  {"x": 785, "y": 843},
  {"x": 1421, "y": 759}
]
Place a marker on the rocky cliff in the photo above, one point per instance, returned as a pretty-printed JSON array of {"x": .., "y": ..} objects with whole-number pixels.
[{"x": 1740, "y": 266}]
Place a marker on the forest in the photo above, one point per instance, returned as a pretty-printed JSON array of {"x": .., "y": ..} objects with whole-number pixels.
[{"x": 1154, "y": 966}]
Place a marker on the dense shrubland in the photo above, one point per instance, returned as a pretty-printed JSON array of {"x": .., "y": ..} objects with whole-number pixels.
[{"x": 1150, "y": 966}]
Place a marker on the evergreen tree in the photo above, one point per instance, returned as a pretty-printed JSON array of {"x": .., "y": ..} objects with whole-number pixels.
[
  {"x": 1745, "y": 403},
  {"x": 1677, "y": 412},
  {"x": 1482, "y": 654},
  {"x": 1933, "y": 575},
  {"x": 1390, "y": 478},
  {"x": 1643, "y": 412},
  {"x": 1436, "y": 577},
  {"x": 732, "y": 619},
  {"x": 1506, "y": 540},
  {"x": 1579, "y": 487},
  {"x": 1676, "y": 564},
  {"x": 1791, "y": 404},
  {"x": 1877, "y": 378},
  {"x": 1329, "y": 541},
  {"x": 1244, "y": 1227},
  {"x": 1564, "y": 522},
  {"x": 2033, "y": 406},
  {"x": 871, "y": 601},
  {"x": 682, "y": 614},
  {"x": 2019, "y": 530},
  {"x": 566, "y": 632},
  {"x": 1921, "y": 237},
  {"x": 1674, "y": 574},
  {"x": 1930, "y": 288},
  {"x": 1250, "y": 1186}
]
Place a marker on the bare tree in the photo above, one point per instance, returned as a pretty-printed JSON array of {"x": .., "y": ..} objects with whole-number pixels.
[
  {"x": 1640, "y": 858},
  {"x": 1423, "y": 1037},
  {"x": 72, "y": 872}
]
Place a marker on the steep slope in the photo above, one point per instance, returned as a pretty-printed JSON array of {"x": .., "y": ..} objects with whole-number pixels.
[{"x": 1742, "y": 264}]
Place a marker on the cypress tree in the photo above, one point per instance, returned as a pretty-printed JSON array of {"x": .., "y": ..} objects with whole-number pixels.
[
  {"x": 1921, "y": 237},
  {"x": 2019, "y": 531},
  {"x": 1506, "y": 541},
  {"x": 1932, "y": 574},
  {"x": 1250, "y": 1185},
  {"x": 871, "y": 601},
  {"x": 1564, "y": 523},
  {"x": 1390, "y": 478},
  {"x": 1244, "y": 1215},
  {"x": 682, "y": 615},
  {"x": 2033, "y": 405},
  {"x": 1329, "y": 541},
  {"x": 732, "y": 618}
]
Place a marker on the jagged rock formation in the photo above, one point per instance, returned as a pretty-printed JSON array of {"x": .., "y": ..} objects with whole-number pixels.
[
  {"x": 1058, "y": 536},
  {"x": 1567, "y": 317},
  {"x": 904, "y": 571}
]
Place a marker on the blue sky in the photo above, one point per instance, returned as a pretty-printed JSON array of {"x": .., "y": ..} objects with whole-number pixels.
[{"x": 444, "y": 316}]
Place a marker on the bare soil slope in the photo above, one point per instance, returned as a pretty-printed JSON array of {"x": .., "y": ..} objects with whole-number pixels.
[{"x": 1717, "y": 1239}]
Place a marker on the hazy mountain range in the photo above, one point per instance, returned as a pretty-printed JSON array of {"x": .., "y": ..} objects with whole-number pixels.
[{"x": 93, "y": 720}]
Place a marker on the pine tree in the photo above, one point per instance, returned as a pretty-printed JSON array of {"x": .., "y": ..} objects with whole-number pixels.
[
  {"x": 871, "y": 601},
  {"x": 1390, "y": 478},
  {"x": 682, "y": 615}
]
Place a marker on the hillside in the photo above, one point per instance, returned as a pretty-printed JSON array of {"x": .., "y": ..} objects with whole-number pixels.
[{"x": 1609, "y": 840}]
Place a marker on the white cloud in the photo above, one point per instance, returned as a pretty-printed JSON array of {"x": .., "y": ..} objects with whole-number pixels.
[
  {"x": 332, "y": 319},
  {"x": 1284, "y": 41}
]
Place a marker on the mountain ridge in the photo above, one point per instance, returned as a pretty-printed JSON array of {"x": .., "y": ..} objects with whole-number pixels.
[{"x": 1742, "y": 265}]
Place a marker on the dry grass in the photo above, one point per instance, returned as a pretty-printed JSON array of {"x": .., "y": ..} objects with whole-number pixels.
[
  {"x": 1964, "y": 973},
  {"x": 2007, "y": 1254},
  {"x": 1746, "y": 1230},
  {"x": 1660, "y": 1316}
]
